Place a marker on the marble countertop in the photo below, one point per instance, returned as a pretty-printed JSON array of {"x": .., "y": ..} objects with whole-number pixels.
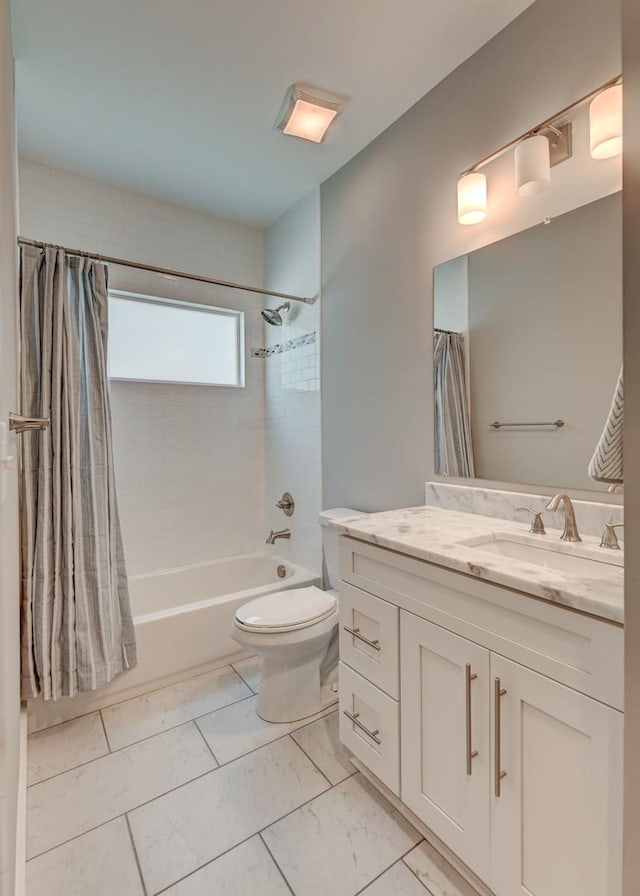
[{"x": 436, "y": 535}]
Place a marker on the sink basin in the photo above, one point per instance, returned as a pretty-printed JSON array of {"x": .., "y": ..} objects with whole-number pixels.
[{"x": 566, "y": 558}]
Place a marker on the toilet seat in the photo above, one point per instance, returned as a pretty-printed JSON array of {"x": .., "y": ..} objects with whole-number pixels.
[{"x": 286, "y": 611}]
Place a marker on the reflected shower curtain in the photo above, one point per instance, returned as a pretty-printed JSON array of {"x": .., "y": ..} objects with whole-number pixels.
[
  {"x": 453, "y": 446},
  {"x": 77, "y": 630}
]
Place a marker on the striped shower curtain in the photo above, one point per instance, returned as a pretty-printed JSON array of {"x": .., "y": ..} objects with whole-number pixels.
[
  {"x": 453, "y": 446},
  {"x": 77, "y": 630}
]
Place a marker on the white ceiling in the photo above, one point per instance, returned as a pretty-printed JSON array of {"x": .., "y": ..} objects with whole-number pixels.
[{"x": 177, "y": 99}]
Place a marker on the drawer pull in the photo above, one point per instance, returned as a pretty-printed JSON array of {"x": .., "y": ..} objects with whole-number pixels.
[
  {"x": 499, "y": 774},
  {"x": 354, "y": 718},
  {"x": 471, "y": 753},
  {"x": 356, "y": 634}
]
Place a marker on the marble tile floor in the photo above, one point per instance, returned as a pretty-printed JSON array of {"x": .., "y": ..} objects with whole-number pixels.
[{"x": 186, "y": 792}]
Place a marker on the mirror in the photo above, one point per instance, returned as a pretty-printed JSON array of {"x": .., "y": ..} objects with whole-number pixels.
[{"x": 540, "y": 316}]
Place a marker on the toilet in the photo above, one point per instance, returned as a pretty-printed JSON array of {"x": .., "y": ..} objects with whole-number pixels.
[{"x": 295, "y": 633}]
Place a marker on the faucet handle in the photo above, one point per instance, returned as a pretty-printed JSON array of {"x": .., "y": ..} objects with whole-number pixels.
[
  {"x": 609, "y": 538},
  {"x": 537, "y": 526}
]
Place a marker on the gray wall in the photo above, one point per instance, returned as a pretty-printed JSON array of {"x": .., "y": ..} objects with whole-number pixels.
[
  {"x": 389, "y": 216},
  {"x": 545, "y": 342},
  {"x": 631, "y": 264}
]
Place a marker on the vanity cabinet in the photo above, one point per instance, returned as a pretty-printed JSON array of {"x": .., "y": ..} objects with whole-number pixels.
[{"x": 509, "y": 742}]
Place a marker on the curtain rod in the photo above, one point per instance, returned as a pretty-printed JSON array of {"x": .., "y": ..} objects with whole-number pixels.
[{"x": 108, "y": 259}]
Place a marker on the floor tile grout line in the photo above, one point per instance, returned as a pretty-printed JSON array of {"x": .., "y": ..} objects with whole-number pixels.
[
  {"x": 312, "y": 761},
  {"x": 206, "y": 864},
  {"x": 104, "y": 728},
  {"x": 269, "y": 742},
  {"x": 208, "y": 745},
  {"x": 135, "y": 853},
  {"x": 240, "y": 675},
  {"x": 141, "y": 741},
  {"x": 276, "y": 863},
  {"x": 415, "y": 873},
  {"x": 77, "y": 837},
  {"x": 113, "y": 751},
  {"x": 177, "y": 787},
  {"x": 176, "y": 684},
  {"x": 389, "y": 867}
]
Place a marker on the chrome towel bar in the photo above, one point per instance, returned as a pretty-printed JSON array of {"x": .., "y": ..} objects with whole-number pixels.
[{"x": 557, "y": 423}]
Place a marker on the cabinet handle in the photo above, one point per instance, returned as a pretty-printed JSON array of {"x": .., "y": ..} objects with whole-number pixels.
[
  {"x": 354, "y": 718},
  {"x": 356, "y": 634},
  {"x": 471, "y": 753},
  {"x": 498, "y": 773}
]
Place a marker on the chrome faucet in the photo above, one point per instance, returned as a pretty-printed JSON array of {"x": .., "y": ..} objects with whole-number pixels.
[
  {"x": 570, "y": 531},
  {"x": 273, "y": 536}
]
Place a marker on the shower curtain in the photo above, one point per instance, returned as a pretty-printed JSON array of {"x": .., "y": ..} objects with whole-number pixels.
[
  {"x": 453, "y": 446},
  {"x": 77, "y": 629}
]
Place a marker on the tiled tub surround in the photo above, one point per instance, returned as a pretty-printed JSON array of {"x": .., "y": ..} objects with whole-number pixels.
[
  {"x": 185, "y": 791},
  {"x": 591, "y": 515},
  {"x": 438, "y": 536}
]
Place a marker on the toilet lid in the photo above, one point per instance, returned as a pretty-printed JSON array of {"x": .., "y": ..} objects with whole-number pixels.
[{"x": 284, "y": 610}]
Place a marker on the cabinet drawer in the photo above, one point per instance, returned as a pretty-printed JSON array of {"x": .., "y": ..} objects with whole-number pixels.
[
  {"x": 369, "y": 638},
  {"x": 370, "y": 726}
]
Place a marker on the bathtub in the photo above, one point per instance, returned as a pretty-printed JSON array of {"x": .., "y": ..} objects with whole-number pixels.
[
  {"x": 182, "y": 619},
  {"x": 183, "y": 616}
]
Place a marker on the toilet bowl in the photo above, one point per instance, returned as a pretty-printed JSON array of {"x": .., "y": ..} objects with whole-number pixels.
[
  {"x": 294, "y": 632},
  {"x": 291, "y": 632}
]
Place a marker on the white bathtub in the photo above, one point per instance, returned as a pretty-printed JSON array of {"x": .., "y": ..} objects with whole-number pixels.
[{"x": 182, "y": 618}]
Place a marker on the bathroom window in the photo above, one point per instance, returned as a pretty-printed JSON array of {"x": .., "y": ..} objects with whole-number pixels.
[{"x": 164, "y": 340}]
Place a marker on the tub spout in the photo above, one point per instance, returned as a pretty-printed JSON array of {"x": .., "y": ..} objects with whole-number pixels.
[{"x": 274, "y": 536}]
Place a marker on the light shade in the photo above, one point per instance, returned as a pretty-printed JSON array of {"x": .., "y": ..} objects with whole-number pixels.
[
  {"x": 605, "y": 121},
  {"x": 472, "y": 198},
  {"x": 533, "y": 166},
  {"x": 307, "y": 112}
]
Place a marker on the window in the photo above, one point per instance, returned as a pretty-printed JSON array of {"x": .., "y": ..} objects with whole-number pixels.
[{"x": 164, "y": 340}]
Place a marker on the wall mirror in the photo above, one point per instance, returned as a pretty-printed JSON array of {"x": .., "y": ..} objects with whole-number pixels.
[{"x": 540, "y": 316}]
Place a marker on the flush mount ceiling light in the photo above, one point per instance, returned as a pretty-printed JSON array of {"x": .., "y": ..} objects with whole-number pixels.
[
  {"x": 307, "y": 112},
  {"x": 605, "y": 123}
]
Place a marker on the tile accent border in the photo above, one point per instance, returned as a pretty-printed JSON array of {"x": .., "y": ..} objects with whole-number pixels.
[{"x": 279, "y": 349}]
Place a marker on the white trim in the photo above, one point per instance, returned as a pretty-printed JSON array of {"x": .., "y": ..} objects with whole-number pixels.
[{"x": 21, "y": 815}]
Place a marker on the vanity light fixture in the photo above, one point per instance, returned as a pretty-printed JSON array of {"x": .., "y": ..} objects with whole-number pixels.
[
  {"x": 533, "y": 165},
  {"x": 549, "y": 143},
  {"x": 472, "y": 198},
  {"x": 605, "y": 123},
  {"x": 307, "y": 112}
]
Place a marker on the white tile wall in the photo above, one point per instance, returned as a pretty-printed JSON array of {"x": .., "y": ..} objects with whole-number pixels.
[
  {"x": 293, "y": 410},
  {"x": 189, "y": 459}
]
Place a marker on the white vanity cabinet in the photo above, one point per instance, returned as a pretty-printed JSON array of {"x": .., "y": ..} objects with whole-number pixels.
[{"x": 509, "y": 746}]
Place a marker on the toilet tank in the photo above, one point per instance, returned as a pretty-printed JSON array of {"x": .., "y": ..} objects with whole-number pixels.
[{"x": 330, "y": 539}]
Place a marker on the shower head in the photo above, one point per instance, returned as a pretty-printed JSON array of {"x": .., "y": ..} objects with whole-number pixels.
[{"x": 272, "y": 315}]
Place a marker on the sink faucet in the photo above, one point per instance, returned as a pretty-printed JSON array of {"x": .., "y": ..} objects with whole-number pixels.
[
  {"x": 570, "y": 531},
  {"x": 273, "y": 536}
]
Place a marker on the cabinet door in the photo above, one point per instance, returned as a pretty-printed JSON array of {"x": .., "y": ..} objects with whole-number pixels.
[
  {"x": 557, "y": 821},
  {"x": 444, "y": 722}
]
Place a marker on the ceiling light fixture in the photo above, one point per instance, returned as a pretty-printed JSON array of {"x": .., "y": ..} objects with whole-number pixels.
[
  {"x": 546, "y": 145},
  {"x": 307, "y": 112}
]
